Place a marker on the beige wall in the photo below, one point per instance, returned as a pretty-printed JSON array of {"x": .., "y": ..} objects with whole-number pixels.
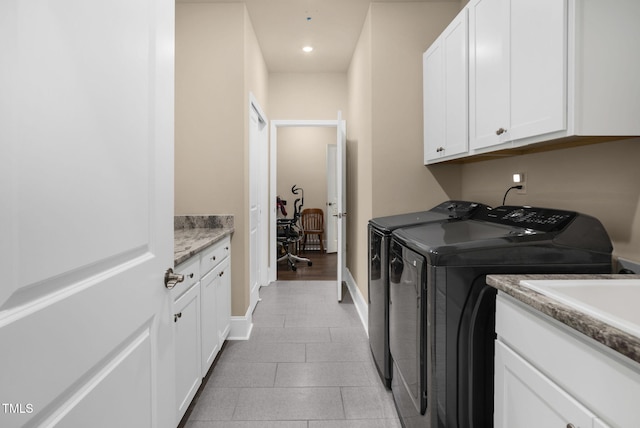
[
  {"x": 359, "y": 158},
  {"x": 211, "y": 131},
  {"x": 385, "y": 132},
  {"x": 307, "y": 96},
  {"x": 602, "y": 180},
  {"x": 302, "y": 150},
  {"x": 302, "y": 161}
]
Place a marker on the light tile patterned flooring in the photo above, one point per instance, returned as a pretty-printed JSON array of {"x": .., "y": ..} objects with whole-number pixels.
[{"x": 307, "y": 365}]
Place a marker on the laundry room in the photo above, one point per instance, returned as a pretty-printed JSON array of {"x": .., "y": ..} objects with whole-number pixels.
[{"x": 475, "y": 163}]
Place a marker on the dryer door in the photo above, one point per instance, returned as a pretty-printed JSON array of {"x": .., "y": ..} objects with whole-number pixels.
[{"x": 406, "y": 300}]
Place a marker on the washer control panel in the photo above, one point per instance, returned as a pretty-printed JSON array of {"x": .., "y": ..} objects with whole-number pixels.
[{"x": 541, "y": 219}]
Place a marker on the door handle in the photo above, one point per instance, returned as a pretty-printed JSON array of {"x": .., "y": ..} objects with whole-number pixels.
[{"x": 171, "y": 279}]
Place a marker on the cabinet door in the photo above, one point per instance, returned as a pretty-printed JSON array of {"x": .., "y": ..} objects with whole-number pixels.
[
  {"x": 446, "y": 80},
  {"x": 210, "y": 341},
  {"x": 538, "y": 67},
  {"x": 518, "y": 67},
  {"x": 526, "y": 398},
  {"x": 187, "y": 347},
  {"x": 489, "y": 72},
  {"x": 223, "y": 301},
  {"x": 433, "y": 100}
]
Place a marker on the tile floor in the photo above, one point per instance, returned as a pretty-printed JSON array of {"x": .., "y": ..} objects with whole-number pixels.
[{"x": 307, "y": 365}]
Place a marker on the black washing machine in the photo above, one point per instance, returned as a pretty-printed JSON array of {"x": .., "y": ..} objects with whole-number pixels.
[
  {"x": 442, "y": 313},
  {"x": 379, "y": 239}
]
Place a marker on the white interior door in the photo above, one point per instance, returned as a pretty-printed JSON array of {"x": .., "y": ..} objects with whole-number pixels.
[
  {"x": 86, "y": 128},
  {"x": 257, "y": 182},
  {"x": 341, "y": 185},
  {"x": 331, "y": 219}
]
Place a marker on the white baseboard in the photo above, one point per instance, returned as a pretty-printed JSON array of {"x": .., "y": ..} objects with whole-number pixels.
[
  {"x": 241, "y": 327},
  {"x": 358, "y": 299}
]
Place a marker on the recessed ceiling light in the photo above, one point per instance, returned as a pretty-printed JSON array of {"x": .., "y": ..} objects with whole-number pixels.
[{"x": 307, "y": 49}]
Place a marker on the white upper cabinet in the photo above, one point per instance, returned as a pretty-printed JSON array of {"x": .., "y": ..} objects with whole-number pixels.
[
  {"x": 538, "y": 71},
  {"x": 518, "y": 52},
  {"x": 446, "y": 78}
]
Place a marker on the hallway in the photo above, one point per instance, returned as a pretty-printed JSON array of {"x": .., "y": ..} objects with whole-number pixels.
[{"x": 307, "y": 365}]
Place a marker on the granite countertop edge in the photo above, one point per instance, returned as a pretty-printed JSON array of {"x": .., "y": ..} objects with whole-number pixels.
[
  {"x": 195, "y": 233},
  {"x": 199, "y": 239},
  {"x": 604, "y": 333}
]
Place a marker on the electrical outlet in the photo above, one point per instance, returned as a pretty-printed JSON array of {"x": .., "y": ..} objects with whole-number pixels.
[
  {"x": 522, "y": 191},
  {"x": 519, "y": 179}
]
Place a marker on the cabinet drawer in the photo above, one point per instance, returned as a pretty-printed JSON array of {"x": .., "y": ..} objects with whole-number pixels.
[
  {"x": 212, "y": 256},
  {"x": 191, "y": 271}
]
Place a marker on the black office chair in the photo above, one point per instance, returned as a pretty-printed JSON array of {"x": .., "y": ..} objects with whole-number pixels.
[{"x": 290, "y": 233}]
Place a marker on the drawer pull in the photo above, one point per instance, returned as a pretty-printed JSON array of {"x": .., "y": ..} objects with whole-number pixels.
[
  {"x": 226, "y": 248},
  {"x": 190, "y": 275},
  {"x": 501, "y": 131},
  {"x": 213, "y": 258},
  {"x": 570, "y": 425},
  {"x": 221, "y": 273},
  {"x": 176, "y": 316}
]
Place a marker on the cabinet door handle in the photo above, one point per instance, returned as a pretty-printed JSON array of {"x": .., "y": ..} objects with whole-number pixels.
[
  {"x": 176, "y": 316},
  {"x": 190, "y": 275},
  {"x": 501, "y": 131},
  {"x": 213, "y": 258},
  {"x": 226, "y": 248}
]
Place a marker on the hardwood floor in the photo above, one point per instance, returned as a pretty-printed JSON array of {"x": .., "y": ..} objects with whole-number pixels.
[{"x": 323, "y": 268}]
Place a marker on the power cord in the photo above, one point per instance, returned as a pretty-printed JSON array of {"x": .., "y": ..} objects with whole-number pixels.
[{"x": 519, "y": 186}]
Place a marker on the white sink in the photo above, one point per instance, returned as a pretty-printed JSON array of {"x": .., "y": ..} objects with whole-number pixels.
[{"x": 614, "y": 301}]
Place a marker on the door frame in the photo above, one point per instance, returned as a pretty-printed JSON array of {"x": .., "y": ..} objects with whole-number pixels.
[{"x": 273, "y": 170}]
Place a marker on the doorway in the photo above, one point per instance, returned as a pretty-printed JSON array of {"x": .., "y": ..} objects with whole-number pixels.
[
  {"x": 302, "y": 162},
  {"x": 339, "y": 126}
]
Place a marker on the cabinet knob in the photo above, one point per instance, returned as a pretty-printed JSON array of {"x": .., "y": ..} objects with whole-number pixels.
[
  {"x": 570, "y": 425},
  {"x": 213, "y": 258},
  {"x": 221, "y": 273},
  {"x": 501, "y": 131},
  {"x": 176, "y": 316},
  {"x": 440, "y": 149},
  {"x": 190, "y": 275},
  {"x": 226, "y": 248}
]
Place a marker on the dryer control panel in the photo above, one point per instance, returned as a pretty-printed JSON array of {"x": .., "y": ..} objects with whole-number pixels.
[{"x": 540, "y": 219}]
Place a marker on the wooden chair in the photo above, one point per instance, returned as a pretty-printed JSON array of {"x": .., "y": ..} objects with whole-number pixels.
[{"x": 312, "y": 224}]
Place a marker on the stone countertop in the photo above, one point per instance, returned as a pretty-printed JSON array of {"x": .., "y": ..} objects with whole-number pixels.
[
  {"x": 612, "y": 337},
  {"x": 193, "y": 234}
]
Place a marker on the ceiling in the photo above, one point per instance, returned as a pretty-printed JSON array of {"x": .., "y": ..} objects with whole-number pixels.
[{"x": 284, "y": 27}]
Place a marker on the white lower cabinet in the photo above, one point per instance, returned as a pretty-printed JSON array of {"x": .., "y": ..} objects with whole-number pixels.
[
  {"x": 527, "y": 398},
  {"x": 202, "y": 318},
  {"x": 186, "y": 324},
  {"x": 215, "y": 288},
  {"x": 549, "y": 375}
]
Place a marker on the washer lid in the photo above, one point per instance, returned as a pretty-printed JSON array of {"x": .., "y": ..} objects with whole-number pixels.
[{"x": 441, "y": 212}]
